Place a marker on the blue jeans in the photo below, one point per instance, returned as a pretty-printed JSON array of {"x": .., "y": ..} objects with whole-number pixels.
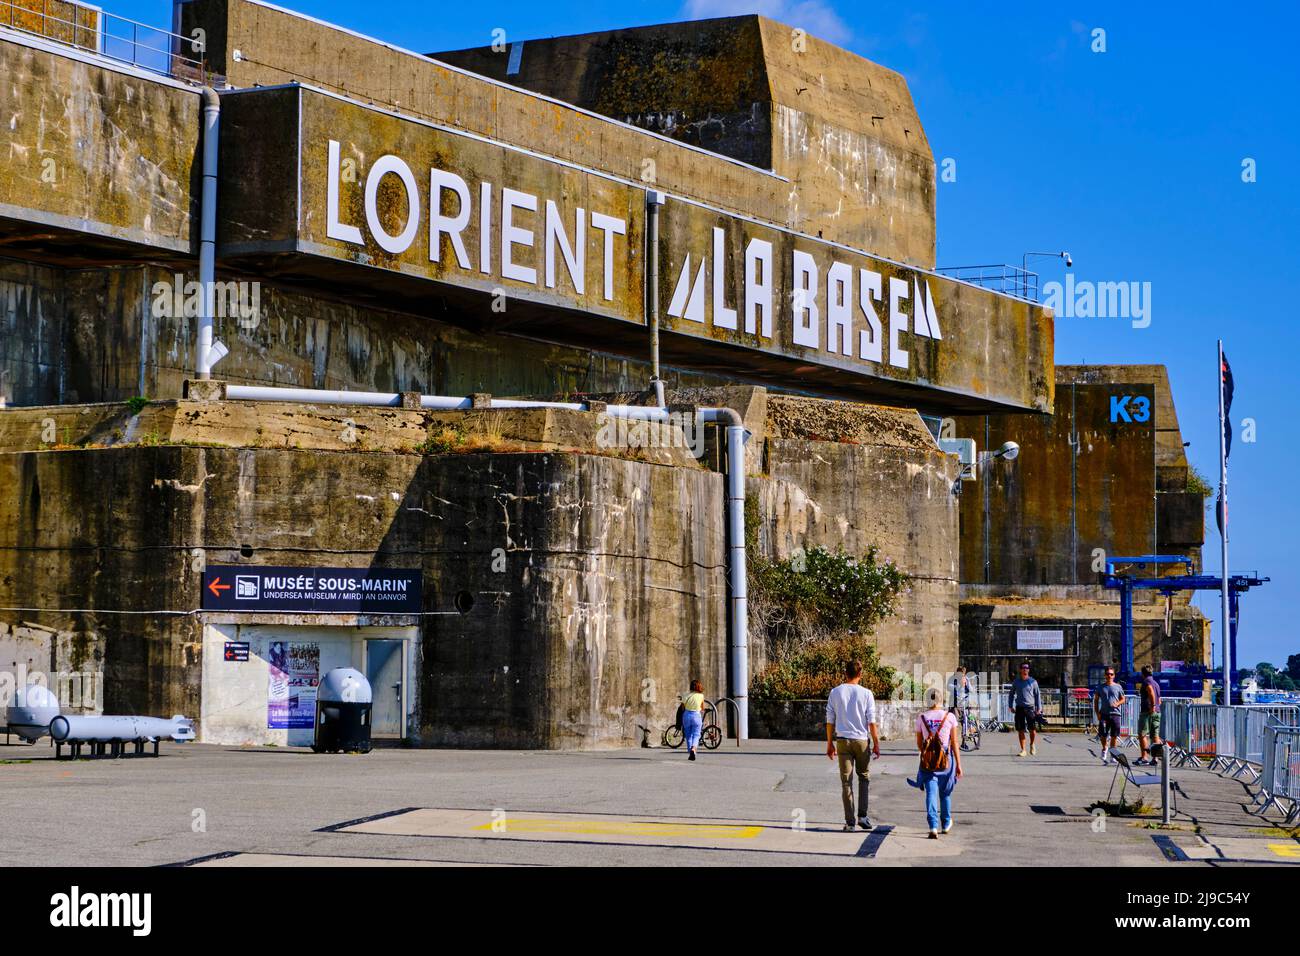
[
  {"x": 692, "y": 722},
  {"x": 938, "y": 804}
]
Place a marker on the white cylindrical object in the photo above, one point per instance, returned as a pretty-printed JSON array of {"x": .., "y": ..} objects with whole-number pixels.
[
  {"x": 105, "y": 729},
  {"x": 311, "y": 396},
  {"x": 30, "y": 715}
]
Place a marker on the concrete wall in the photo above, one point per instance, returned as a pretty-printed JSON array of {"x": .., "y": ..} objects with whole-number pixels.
[
  {"x": 280, "y": 46},
  {"x": 596, "y": 584},
  {"x": 842, "y": 129},
  {"x": 75, "y": 335},
  {"x": 96, "y": 149},
  {"x": 883, "y": 482}
]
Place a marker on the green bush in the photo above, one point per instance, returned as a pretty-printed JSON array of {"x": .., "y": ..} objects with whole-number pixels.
[
  {"x": 816, "y": 611},
  {"x": 811, "y": 671}
]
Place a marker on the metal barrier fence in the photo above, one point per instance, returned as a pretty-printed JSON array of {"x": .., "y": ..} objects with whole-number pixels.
[
  {"x": 1202, "y": 731},
  {"x": 1258, "y": 740}
]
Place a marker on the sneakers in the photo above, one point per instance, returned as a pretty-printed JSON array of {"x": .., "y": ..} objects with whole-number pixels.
[
  {"x": 1022, "y": 753},
  {"x": 1105, "y": 758},
  {"x": 934, "y": 834},
  {"x": 864, "y": 823},
  {"x": 692, "y": 756},
  {"x": 947, "y": 827},
  {"x": 848, "y": 828},
  {"x": 1033, "y": 750},
  {"x": 1142, "y": 762}
]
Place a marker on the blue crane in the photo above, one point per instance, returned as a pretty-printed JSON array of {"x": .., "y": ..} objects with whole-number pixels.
[{"x": 1185, "y": 683}]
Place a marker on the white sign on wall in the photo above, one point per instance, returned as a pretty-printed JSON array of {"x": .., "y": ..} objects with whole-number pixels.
[{"x": 1032, "y": 640}]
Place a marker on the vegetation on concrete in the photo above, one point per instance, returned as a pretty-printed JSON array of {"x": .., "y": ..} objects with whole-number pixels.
[
  {"x": 137, "y": 404},
  {"x": 816, "y": 611},
  {"x": 1121, "y": 808},
  {"x": 1197, "y": 483}
]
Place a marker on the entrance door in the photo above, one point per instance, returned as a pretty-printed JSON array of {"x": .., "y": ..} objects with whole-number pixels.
[{"x": 384, "y": 671}]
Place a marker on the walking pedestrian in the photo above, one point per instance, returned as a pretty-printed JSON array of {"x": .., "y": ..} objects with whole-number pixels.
[
  {"x": 940, "y": 768},
  {"x": 850, "y": 730},
  {"x": 693, "y": 717},
  {"x": 1106, "y": 704},
  {"x": 1026, "y": 701},
  {"x": 1149, "y": 716}
]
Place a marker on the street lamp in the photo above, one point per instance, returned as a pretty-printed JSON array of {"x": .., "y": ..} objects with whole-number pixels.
[{"x": 1024, "y": 264}]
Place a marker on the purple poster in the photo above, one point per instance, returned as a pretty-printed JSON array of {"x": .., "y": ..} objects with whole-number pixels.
[{"x": 293, "y": 676}]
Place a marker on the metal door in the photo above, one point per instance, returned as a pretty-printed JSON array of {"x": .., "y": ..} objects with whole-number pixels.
[{"x": 387, "y": 685}]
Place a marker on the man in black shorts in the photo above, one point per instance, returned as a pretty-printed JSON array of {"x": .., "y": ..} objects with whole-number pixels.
[
  {"x": 1026, "y": 701},
  {"x": 1106, "y": 704}
]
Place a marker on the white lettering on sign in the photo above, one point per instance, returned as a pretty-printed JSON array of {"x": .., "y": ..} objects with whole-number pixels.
[
  {"x": 524, "y": 219},
  {"x": 1033, "y": 640},
  {"x": 826, "y": 307}
]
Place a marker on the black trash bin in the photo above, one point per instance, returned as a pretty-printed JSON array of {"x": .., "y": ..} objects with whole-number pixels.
[{"x": 343, "y": 713}]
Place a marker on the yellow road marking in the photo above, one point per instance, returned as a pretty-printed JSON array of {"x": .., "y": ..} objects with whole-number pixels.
[
  {"x": 701, "y": 831},
  {"x": 1285, "y": 849}
]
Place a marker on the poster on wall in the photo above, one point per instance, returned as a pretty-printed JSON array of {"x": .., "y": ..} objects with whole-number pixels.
[{"x": 293, "y": 676}]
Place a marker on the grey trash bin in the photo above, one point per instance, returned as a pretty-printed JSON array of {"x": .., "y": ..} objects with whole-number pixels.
[{"x": 343, "y": 703}]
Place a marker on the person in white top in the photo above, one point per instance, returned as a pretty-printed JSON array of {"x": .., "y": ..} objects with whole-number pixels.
[{"x": 850, "y": 727}]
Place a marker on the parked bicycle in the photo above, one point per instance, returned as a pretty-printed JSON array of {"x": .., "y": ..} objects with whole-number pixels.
[{"x": 710, "y": 733}]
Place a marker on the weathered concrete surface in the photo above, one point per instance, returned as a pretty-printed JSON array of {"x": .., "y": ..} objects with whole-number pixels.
[
  {"x": 235, "y": 424},
  {"x": 871, "y": 328},
  {"x": 844, "y": 130},
  {"x": 590, "y": 578},
  {"x": 872, "y": 476},
  {"x": 1087, "y": 485},
  {"x": 277, "y": 202},
  {"x": 75, "y": 335},
  {"x": 1089, "y": 620},
  {"x": 282, "y": 47},
  {"x": 31, "y": 313},
  {"x": 1081, "y": 482},
  {"x": 95, "y": 149}
]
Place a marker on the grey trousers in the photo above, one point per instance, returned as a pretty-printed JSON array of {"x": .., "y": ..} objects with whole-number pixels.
[{"x": 855, "y": 755}]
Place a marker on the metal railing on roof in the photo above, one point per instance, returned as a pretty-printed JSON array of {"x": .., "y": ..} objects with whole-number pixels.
[
  {"x": 90, "y": 29},
  {"x": 1009, "y": 280}
]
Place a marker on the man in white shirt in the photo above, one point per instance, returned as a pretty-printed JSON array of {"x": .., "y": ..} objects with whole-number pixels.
[{"x": 850, "y": 724}]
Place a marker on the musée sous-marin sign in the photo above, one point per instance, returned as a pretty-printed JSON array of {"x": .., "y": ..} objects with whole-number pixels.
[{"x": 425, "y": 202}]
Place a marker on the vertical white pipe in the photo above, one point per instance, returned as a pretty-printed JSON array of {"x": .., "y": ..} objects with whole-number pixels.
[
  {"x": 208, "y": 230},
  {"x": 739, "y": 579}
]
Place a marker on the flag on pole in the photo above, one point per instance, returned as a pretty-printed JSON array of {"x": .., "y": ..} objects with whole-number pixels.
[{"x": 1225, "y": 373}]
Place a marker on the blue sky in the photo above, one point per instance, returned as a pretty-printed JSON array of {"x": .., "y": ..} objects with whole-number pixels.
[{"x": 1130, "y": 158}]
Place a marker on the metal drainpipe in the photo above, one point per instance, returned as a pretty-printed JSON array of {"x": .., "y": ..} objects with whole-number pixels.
[
  {"x": 736, "y": 436},
  {"x": 736, "y": 568},
  {"x": 653, "y": 200},
  {"x": 208, "y": 230}
]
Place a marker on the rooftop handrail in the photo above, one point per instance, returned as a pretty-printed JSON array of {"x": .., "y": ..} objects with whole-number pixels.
[
  {"x": 999, "y": 277},
  {"x": 95, "y": 31}
]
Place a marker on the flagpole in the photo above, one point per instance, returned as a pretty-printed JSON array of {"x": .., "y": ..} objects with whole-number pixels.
[{"x": 1223, "y": 535}]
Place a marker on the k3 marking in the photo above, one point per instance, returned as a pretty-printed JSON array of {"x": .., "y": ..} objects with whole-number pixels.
[{"x": 1130, "y": 408}]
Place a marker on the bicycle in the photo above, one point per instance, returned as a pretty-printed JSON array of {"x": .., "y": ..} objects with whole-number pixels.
[
  {"x": 710, "y": 733},
  {"x": 970, "y": 728}
]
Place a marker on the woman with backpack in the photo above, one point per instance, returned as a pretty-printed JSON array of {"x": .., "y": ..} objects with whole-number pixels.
[{"x": 940, "y": 749}]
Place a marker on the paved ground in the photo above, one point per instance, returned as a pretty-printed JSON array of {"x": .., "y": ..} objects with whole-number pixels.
[{"x": 770, "y": 803}]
